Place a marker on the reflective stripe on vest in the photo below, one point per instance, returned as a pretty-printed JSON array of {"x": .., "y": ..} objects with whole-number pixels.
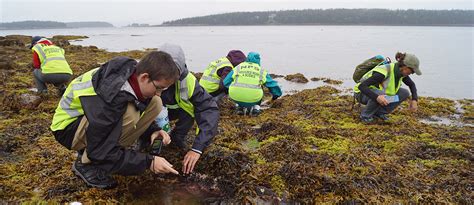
[
  {"x": 53, "y": 60},
  {"x": 210, "y": 80},
  {"x": 247, "y": 84},
  {"x": 242, "y": 85},
  {"x": 70, "y": 107},
  {"x": 388, "y": 85},
  {"x": 184, "y": 90}
]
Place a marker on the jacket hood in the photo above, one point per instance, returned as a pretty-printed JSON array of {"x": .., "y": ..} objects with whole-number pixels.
[
  {"x": 178, "y": 57},
  {"x": 111, "y": 76},
  {"x": 253, "y": 57},
  {"x": 236, "y": 57}
]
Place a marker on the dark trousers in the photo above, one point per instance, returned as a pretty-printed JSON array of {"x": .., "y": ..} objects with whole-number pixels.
[
  {"x": 182, "y": 126},
  {"x": 372, "y": 107},
  {"x": 59, "y": 80}
]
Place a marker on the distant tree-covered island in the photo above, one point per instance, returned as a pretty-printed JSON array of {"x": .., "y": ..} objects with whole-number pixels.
[
  {"x": 51, "y": 24},
  {"x": 408, "y": 17}
]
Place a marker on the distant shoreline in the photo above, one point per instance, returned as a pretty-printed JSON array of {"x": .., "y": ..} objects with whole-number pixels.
[
  {"x": 32, "y": 25},
  {"x": 404, "y": 25},
  {"x": 340, "y": 17},
  {"x": 9, "y": 29},
  {"x": 194, "y": 25}
]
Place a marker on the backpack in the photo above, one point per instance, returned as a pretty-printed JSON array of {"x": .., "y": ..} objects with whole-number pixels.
[{"x": 368, "y": 65}]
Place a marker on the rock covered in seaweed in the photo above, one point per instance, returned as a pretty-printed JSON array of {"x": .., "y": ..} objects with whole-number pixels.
[{"x": 297, "y": 78}]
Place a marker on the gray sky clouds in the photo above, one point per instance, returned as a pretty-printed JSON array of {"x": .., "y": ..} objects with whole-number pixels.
[{"x": 122, "y": 12}]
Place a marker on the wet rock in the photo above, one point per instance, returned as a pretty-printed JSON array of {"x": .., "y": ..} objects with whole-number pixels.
[
  {"x": 11, "y": 42},
  {"x": 63, "y": 40},
  {"x": 317, "y": 79},
  {"x": 276, "y": 75},
  {"x": 74, "y": 48},
  {"x": 29, "y": 100},
  {"x": 333, "y": 82},
  {"x": 297, "y": 78},
  {"x": 15, "y": 40},
  {"x": 68, "y": 37},
  {"x": 60, "y": 42}
]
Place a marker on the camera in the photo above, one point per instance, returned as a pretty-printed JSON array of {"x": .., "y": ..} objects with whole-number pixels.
[{"x": 156, "y": 146}]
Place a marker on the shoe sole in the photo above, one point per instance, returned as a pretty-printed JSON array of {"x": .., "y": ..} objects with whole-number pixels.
[{"x": 78, "y": 174}]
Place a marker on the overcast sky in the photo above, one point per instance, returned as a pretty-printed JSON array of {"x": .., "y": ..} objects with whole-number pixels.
[{"x": 123, "y": 12}]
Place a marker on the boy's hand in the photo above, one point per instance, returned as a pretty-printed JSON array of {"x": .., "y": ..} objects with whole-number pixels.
[
  {"x": 160, "y": 165},
  {"x": 382, "y": 101},
  {"x": 161, "y": 134},
  {"x": 190, "y": 161}
]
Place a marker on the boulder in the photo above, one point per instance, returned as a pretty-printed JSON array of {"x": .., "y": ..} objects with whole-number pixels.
[
  {"x": 60, "y": 42},
  {"x": 30, "y": 100},
  {"x": 333, "y": 82},
  {"x": 21, "y": 40},
  {"x": 11, "y": 42},
  {"x": 317, "y": 79},
  {"x": 297, "y": 78},
  {"x": 276, "y": 76}
]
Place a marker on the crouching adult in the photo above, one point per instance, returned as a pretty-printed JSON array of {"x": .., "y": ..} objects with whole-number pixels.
[{"x": 379, "y": 89}]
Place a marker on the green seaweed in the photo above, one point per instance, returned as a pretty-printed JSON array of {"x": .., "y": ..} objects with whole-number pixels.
[{"x": 308, "y": 147}]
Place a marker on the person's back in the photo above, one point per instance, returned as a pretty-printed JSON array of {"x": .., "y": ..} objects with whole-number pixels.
[
  {"x": 248, "y": 78},
  {"x": 210, "y": 79},
  {"x": 245, "y": 84},
  {"x": 50, "y": 65},
  {"x": 217, "y": 70}
]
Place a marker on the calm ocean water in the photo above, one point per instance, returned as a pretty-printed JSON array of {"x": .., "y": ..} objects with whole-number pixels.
[{"x": 446, "y": 53}]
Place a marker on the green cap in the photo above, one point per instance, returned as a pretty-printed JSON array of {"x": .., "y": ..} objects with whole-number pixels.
[{"x": 412, "y": 61}]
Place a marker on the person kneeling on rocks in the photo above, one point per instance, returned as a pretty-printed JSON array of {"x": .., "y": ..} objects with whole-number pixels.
[
  {"x": 379, "y": 89},
  {"x": 107, "y": 110},
  {"x": 50, "y": 65},
  {"x": 245, "y": 85},
  {"x": 188, "y": 102},
  {"x": 213, "y": 76}
]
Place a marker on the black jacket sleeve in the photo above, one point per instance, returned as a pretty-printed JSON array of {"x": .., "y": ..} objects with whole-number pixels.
[
  {"x": 376, "y": 79},
  {"x": 407, "y": 80},
  {"x": 206, "y": 114},
  {"x": 103, "y": 133}
]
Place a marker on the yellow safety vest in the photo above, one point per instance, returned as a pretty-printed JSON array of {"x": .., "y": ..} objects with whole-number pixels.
[
  {"x": 248, "y": 79},
  {"x": 210, "y": 80},
  {"x": 70, "y": 108},
  {"x": 52, "y": 59},
  {"x": 388, "y": 85},
  {"x": 184, "y": 90}
]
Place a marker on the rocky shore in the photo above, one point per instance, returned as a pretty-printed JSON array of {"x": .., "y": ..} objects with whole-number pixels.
[{"x": 306, "y": 147}]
